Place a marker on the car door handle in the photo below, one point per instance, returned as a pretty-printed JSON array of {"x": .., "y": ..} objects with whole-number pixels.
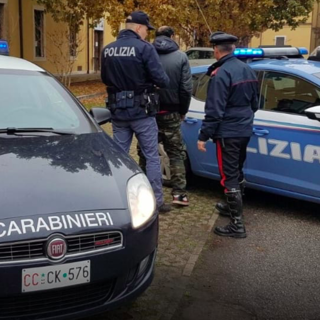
[
  {"x": 260, "y": 132},
  {"x": 190, "y": 120}
]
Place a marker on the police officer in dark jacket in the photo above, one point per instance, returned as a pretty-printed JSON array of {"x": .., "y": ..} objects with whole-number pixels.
[
  {"x": 231, "y": 102},
  {"x": 174, "y": 104},
  {"x": 131, "y": 69}
]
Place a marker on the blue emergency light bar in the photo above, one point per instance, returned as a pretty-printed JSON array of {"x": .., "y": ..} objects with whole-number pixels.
[
  {"x": 303, "y": 50},
  {"x": 270, "y": 52},
  {"x": 245, "y": 52},
  {"x": 4, "y": 48}
]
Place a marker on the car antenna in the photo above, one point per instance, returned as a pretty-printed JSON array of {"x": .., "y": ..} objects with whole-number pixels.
[{"x": 204, "y": 18}]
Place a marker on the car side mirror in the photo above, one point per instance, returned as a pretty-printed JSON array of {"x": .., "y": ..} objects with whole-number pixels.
[
  {"x": 313, "y": 113},
  {"x": 101, "y": 115}
]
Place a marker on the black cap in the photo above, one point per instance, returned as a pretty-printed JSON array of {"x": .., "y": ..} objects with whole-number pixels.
[
  {"x": 220, "y": 37},
  {"x": 139, "y": 17}
]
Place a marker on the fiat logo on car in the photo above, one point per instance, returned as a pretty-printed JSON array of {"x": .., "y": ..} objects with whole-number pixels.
[{"x": 56, "y": 248}]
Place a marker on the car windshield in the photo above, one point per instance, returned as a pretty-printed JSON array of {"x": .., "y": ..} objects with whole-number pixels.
[{"x": 36, "y": 100}]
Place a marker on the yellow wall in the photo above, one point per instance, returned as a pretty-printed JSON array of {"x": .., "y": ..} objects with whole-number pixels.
[
  {"x": 108, "y": 37},
  {"x": 300, "y": 37},
  {"x": 11, "y": 23},
  {"x": 315, "y": 37},
  {"x": 297, "y": 38}
]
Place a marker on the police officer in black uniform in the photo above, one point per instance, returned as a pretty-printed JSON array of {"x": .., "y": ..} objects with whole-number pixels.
[
  {"x": 231, "y": 102},
  {"x": 131, "y": 69}
]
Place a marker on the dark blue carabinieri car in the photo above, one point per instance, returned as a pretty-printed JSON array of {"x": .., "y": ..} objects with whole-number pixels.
[{"x": 78, "y": 225}]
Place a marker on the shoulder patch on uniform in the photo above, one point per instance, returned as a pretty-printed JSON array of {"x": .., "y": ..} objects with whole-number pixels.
[{"x": 214, "y": 72}]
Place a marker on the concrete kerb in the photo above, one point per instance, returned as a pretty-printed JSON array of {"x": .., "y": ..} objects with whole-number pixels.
[
  {"x": 197, "y": 251},
  {"x": 188, "y": 269}
]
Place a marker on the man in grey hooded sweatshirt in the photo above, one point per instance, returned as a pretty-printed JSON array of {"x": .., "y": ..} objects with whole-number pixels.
[{"x": 174, "y": 104}]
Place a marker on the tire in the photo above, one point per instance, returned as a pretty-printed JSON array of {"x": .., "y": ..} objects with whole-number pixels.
[{"x": 165, "y": 168}]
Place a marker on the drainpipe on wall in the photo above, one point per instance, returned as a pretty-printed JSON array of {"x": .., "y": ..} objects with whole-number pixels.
[
  {"x": 88, "y": 47},
  {"x": 21, "y": 29},
  {"x": 314, "y": 29},
  {"x": 317, "y": 26}
]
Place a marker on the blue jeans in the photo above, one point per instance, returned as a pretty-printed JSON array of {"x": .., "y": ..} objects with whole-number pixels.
[{"x": 146, "y": 131}]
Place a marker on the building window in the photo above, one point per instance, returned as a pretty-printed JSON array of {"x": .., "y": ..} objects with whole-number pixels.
[
  {"x": 39, "y": 33},
  {"x": 73, "y": 43},
  {"x": 280, "y": 41},
  {"x": 1, "y": 21}
]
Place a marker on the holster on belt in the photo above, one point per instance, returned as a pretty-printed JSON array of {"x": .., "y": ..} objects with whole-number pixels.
[
  {"x": 128, "y": 99},
  {"x": 151, "y": 102}
]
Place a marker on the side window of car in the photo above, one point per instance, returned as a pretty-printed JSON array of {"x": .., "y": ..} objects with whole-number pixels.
[
  {"x": 194, "y": 54},
  {"x": 286, "y": 93},
  {"x": 200, "y": 87},
  {"x": 261, "y": 98},
  {"x": 206, "y": 55}
]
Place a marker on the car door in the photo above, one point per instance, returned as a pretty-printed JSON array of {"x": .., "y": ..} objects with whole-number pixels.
[
  {"x": 284, "y": 151},
  {"x": 202, "y": 163}
]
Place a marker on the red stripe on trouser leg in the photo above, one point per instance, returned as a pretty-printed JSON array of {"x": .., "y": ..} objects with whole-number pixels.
[{"x": 220, "y": 165}]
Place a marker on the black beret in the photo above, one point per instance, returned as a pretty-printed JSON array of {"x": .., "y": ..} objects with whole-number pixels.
[{"x": 220, "y": 37}]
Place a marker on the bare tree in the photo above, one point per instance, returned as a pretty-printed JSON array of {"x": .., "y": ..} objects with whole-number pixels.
[{"x": 67, "y": 45}]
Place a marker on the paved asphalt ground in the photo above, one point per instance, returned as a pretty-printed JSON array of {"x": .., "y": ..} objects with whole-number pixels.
[{"x": 272, "y": 274}]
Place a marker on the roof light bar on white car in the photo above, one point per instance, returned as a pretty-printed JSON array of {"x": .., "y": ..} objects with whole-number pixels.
[
  {"x": 4, "y": 48},
  {"x": 272, "y": 52}
]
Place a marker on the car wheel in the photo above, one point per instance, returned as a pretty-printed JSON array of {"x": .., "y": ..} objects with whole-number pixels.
[{"x": 165, "y": 168}]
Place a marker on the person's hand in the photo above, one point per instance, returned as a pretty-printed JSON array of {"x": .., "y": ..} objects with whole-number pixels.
[
  {"x": 182, "y": 117},
  {"x": 202, "y": 146}
]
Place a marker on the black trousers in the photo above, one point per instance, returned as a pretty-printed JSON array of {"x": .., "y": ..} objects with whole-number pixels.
[{"x": 231, "y": 155}]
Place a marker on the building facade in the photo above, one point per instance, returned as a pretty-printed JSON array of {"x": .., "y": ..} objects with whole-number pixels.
[
  {"x": 306, "y": 35},
  {"x": 34, "y": 35}
]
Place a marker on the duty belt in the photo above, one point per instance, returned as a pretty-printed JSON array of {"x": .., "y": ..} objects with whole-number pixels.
[{"x": 128, "y": 99}]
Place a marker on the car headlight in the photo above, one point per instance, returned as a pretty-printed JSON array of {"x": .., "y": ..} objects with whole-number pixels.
[{"x": 142, "y": 203}]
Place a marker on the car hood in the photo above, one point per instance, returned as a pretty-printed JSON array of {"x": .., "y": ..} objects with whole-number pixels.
[{"x": 54, "y": 174}]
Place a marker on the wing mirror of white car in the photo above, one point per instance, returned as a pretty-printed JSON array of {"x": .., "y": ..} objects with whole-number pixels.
[
  {"x": 313, "y": 113},
  {"x": 101, "y": 115}
]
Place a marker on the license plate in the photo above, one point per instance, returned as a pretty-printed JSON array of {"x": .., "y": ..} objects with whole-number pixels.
[{"x": 56, "y": 276}]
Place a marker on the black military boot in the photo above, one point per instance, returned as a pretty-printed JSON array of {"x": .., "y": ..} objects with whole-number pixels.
[
  {"x": 236, "y": 227},
  {"x": 223, "y": 207}
]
